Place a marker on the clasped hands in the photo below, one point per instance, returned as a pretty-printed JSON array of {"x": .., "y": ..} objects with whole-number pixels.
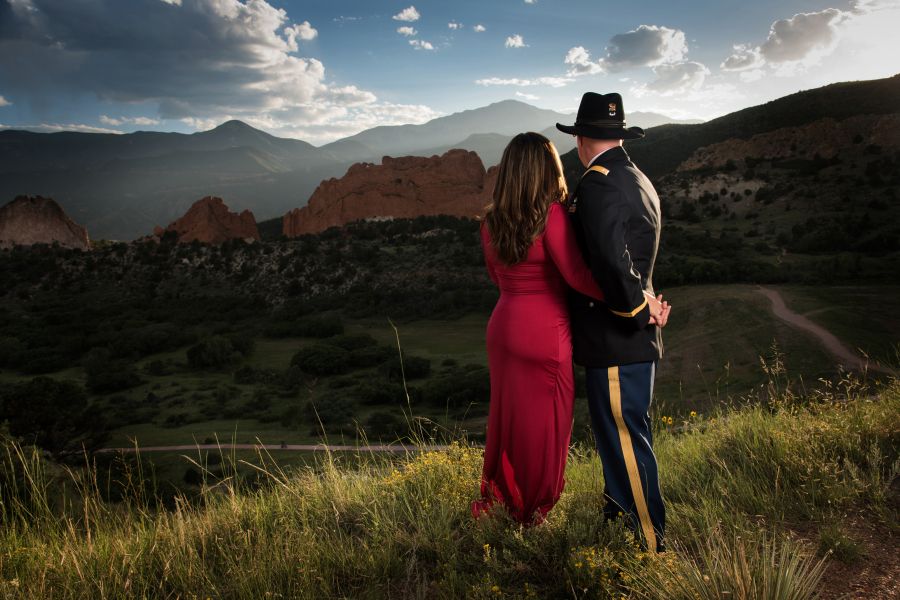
[{"x": 659, "y": 309}]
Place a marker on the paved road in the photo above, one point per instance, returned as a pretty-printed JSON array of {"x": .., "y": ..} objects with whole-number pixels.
[
  {"x": 399, "y": 448},
  {"x": 848, "y": 358}
]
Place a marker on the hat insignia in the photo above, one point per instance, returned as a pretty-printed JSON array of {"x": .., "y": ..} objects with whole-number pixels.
[{"x": 612, "y": 109}]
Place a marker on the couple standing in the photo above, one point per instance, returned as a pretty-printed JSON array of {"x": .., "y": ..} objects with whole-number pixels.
[{"x": 584, "y": 258}]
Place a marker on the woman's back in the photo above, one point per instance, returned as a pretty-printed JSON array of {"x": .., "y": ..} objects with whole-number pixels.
[{"x": 552, "y": 260}]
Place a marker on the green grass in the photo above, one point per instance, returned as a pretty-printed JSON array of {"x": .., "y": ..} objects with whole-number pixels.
[
  {"x": 735, "y": 483},
  {"x": 461, "y": 339}
]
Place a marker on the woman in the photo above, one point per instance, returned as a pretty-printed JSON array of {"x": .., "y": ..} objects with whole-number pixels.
[{"x": 533, "y": 257}]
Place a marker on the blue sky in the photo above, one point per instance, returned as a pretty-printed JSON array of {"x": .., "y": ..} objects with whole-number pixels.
[{"x": 320, "y": 70}]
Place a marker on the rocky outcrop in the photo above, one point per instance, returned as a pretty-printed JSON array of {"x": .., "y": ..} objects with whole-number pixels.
[
  {"x": 29, "y": 220},
  {"x": 411, "y": 186},
  {"x": 825, "y": 138},
  {"x": 490, "y": 180},
  {"x": 209, "y": 221}
]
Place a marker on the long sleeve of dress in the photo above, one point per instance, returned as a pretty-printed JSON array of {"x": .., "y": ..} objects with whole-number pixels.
[
  {"x": 559, "y": 240},
  {"x": 485, "y": 241}
]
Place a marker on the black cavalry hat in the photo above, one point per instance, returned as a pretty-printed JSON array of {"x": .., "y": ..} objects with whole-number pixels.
[{"x": 601, "y": 116}]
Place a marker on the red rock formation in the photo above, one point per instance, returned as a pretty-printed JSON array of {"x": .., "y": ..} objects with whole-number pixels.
[
  {"x": 31, "y": 220},
  {"x": 825, "y": 138},
  {"x": 410, "y": 186},
  {"x": 209, "y": 221}
]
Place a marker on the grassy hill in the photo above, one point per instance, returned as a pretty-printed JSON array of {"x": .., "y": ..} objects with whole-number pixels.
[{"x": 793, "y": 499}]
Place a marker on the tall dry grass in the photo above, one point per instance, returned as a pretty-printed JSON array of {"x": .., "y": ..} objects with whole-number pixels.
[{"x": 394, "y": 527}]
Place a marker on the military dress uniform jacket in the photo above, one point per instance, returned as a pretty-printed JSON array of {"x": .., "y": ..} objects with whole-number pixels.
[{"x": 616, "y": 217}]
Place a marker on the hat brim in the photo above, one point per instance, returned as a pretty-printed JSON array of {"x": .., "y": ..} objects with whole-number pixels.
[{"x": 602, "y": 133}]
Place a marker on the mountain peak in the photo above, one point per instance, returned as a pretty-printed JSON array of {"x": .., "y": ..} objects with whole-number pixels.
[{"x": 234, "y": 125}]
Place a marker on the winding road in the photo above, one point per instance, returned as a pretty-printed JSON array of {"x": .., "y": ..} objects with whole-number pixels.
[{"x": 848, "y": 358}]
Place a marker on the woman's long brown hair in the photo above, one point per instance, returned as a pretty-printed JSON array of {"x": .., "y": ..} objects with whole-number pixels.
[{"x": 530, "y": 178}]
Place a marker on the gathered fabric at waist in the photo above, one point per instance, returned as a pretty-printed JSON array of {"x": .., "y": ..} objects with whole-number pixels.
[
  {"x": 552, "y": 300},
  {"x": 528, "y": 284}
]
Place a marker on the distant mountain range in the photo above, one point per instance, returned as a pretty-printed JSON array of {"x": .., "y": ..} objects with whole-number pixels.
[{"x": 121, "y": 186}]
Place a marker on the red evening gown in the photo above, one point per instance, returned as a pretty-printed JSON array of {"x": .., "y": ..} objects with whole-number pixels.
[{"x": 530, "y": 360}]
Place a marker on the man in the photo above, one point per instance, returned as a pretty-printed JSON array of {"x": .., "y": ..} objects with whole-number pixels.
[{"x": 616, "y": 215}]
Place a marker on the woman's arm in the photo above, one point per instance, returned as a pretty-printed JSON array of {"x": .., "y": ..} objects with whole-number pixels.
[
  {"x": 485, "y": 243},
  {"x": 559, "y": 240}
]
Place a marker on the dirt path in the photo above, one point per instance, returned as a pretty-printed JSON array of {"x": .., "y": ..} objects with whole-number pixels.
[
  {"x": 848, "y": 358},
  {"x": 398, "y": 448}
]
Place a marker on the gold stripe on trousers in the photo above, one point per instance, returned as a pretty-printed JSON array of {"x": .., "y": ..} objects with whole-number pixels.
[{"x": 637, "y": 490}]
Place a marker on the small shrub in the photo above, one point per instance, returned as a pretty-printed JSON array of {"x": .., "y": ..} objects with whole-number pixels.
[
  {"x": 353, "y": 342},
  {"x": 833, "y": 540},
  {"x": 214, "y": 352},
  {"x": 334, "y": 411},
  {"x": 322, "y": 359}
]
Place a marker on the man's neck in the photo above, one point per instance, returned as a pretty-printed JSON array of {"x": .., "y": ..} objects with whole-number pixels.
[{"x": 596, "y": 156}]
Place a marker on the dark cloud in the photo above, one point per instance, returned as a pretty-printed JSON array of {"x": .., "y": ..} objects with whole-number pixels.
[{"x": 202, "y": 56}]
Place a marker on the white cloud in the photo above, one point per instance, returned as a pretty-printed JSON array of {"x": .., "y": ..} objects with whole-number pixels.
[
  {"x": 320, "y": 125},
  {"x": 648, "y": 45},
  {"x": 515, "y": 41},
  {"x": 797, "y": 43},
  {"x": 678, "y": 78},
  {"x": 349, "y": 96},
  {"x": 173, "y": 2},
  {"x": 479, "y": 28},
  {"x": 530, "y": 1},
  {"x": 742, "y": 58},
  {"x": 580, "y": 62},
  {"x": 116, "y": 122},
  {"x": 454, "y": 25},
  {"x": 407, "y": 31},
  {"x": 527, "y": 96},
  {"x": 303, "y": 31},
  {"x": 205, "y": 124},
  {"x": 4, "y": 101},
  {"x": 56, "y": 127},
  {"x": 803, "y": 35},
  {"x": 752, "y": 75},
  {"x": 867, "y": 6},
  {"x": 555, "y": 82},
  {"x": 421, "y": 45},
  {"x": 409, "y": 14}
]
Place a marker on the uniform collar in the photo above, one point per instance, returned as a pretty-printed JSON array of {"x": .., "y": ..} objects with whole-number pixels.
[{"x": 610, "y": 155}]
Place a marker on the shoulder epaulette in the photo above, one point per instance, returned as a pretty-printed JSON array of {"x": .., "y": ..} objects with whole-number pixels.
[{"x": 598, "y": 169}]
